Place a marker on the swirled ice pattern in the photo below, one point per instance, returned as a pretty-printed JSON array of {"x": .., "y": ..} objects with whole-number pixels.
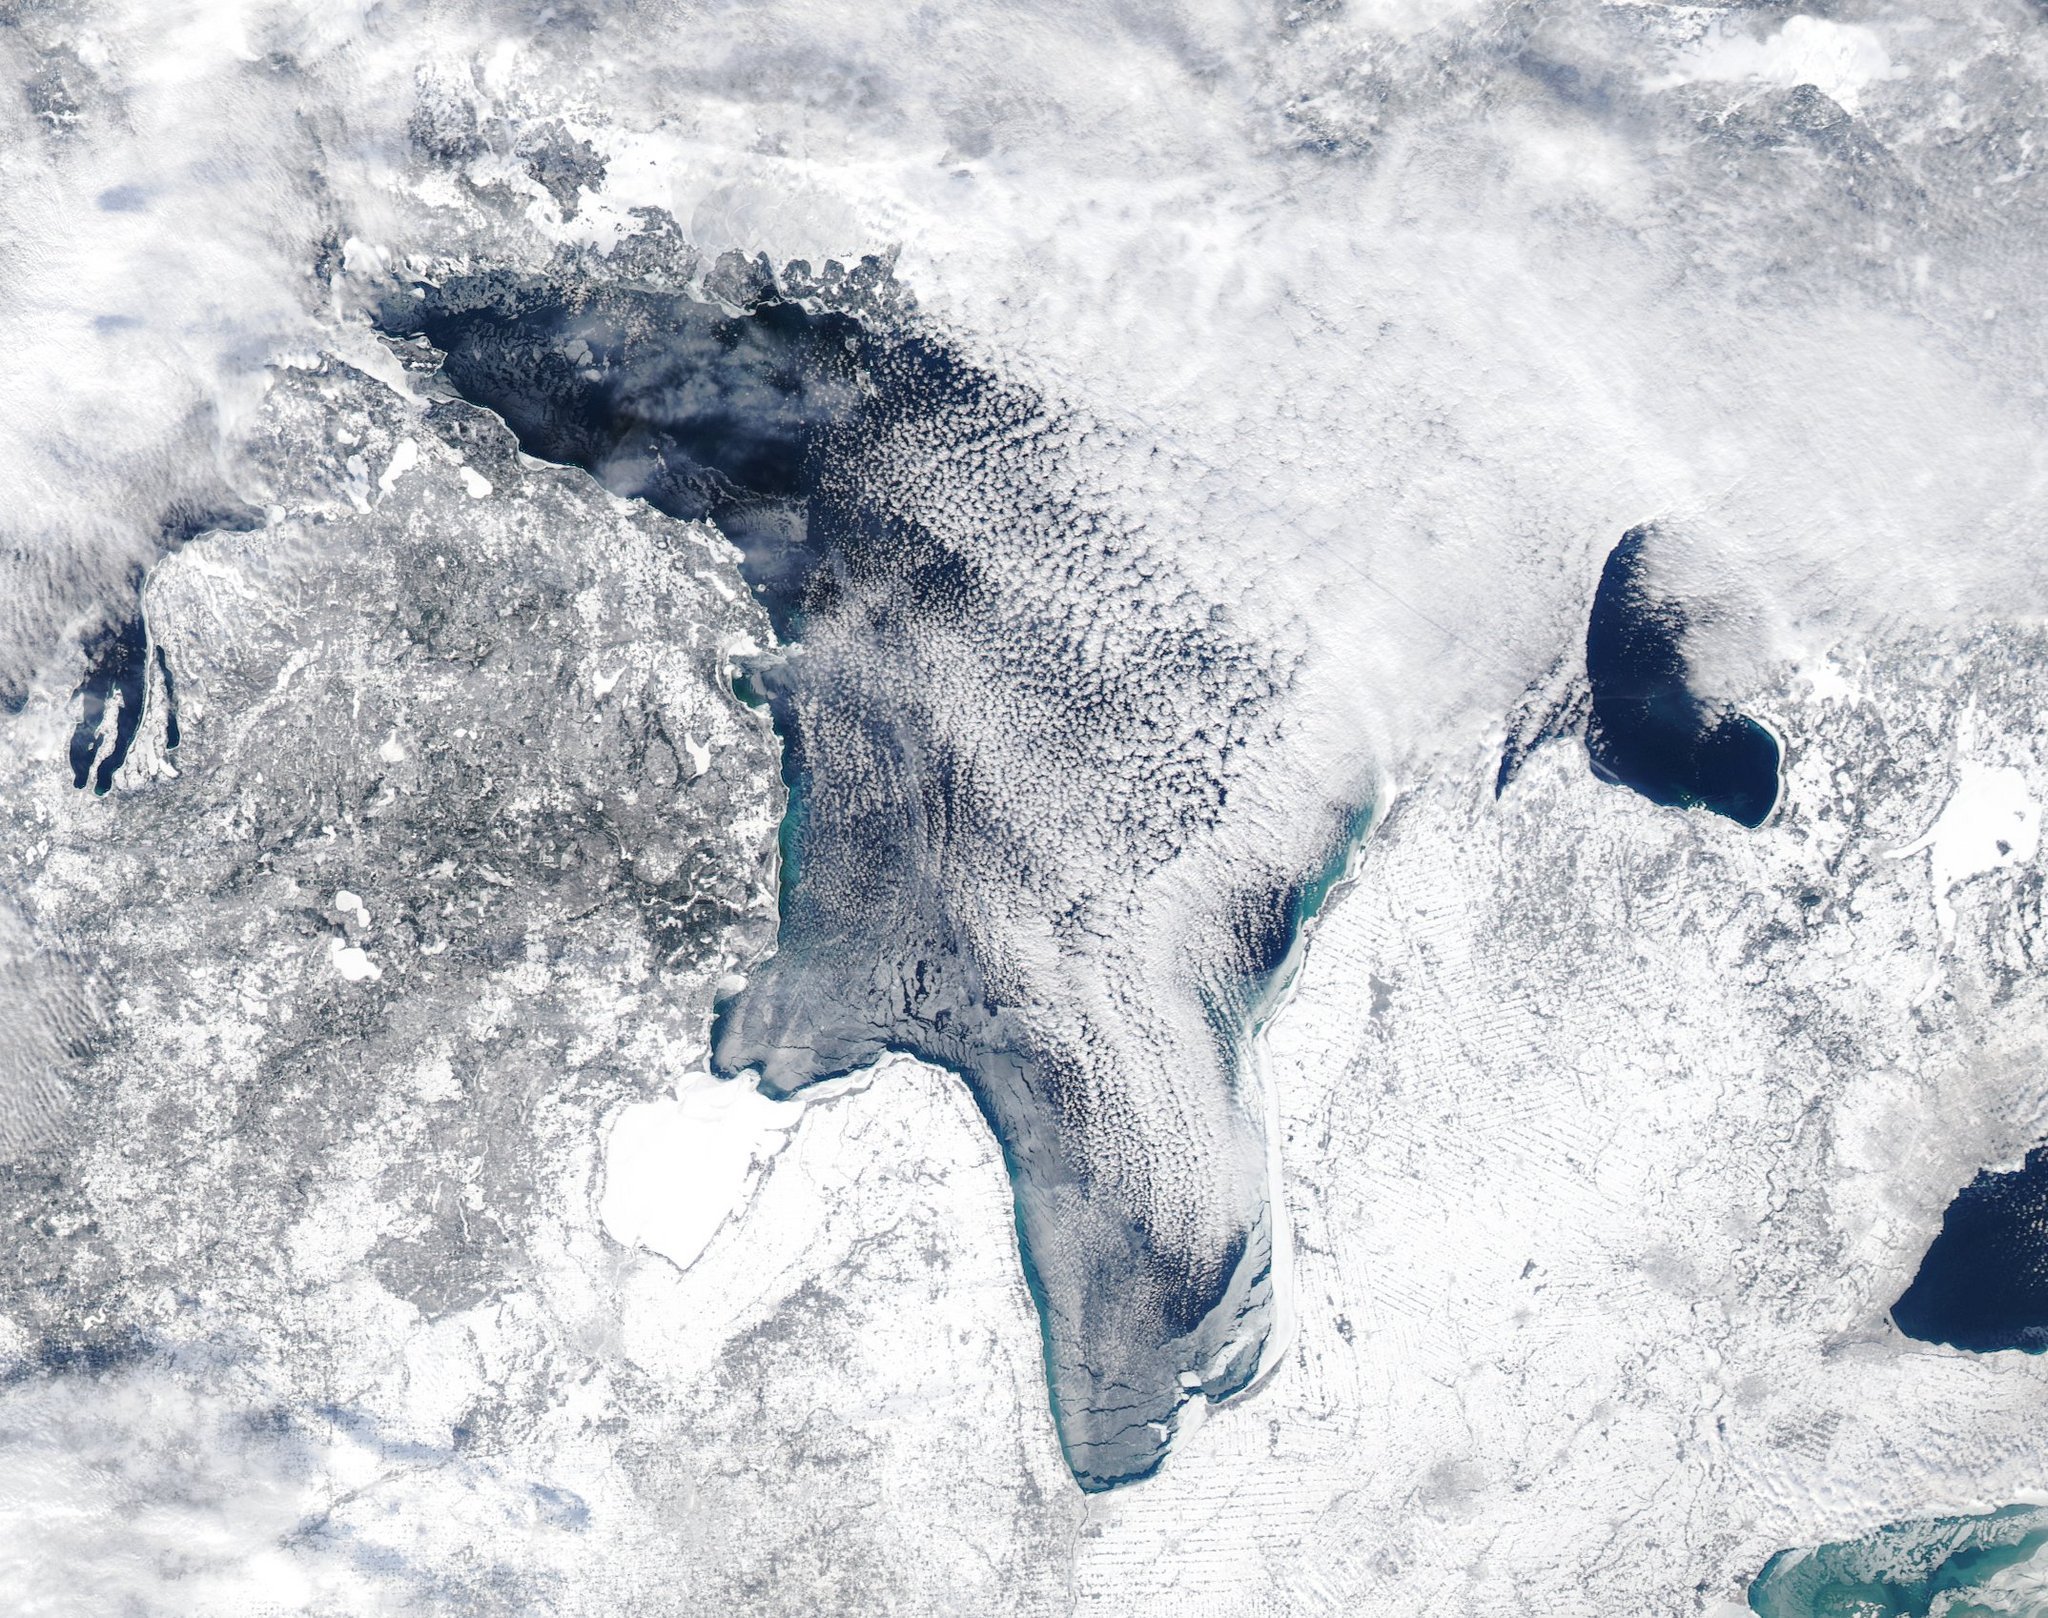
[
  {"x": 1011, "y": 728},
  {"x": 1945, "y": 1567}
]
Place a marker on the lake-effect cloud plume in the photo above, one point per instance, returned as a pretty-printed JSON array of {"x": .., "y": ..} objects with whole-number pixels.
[{"x": 1019, "y": 578}]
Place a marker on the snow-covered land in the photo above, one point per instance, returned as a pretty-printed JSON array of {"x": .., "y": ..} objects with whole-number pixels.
[{"x": 381, "y": 1242}]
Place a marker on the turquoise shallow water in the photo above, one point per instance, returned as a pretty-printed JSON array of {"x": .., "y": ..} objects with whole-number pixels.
[{"x": 1941, "y": 1567}]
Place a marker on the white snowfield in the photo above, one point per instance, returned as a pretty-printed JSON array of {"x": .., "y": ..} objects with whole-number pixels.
[
  {"x": 1610, "y": 1134},
  {"x": 1607, "y": 1133},
  {"x": 1991, "y": 822}
]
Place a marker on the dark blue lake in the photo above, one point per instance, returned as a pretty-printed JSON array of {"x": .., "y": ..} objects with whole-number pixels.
[
  {"x": 1649, "y": 730},
  {"x": 1983, "y": 1284}
]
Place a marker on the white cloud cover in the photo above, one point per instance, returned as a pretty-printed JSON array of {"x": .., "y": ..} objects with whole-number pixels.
[{"x": 1390, "y": 323}]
